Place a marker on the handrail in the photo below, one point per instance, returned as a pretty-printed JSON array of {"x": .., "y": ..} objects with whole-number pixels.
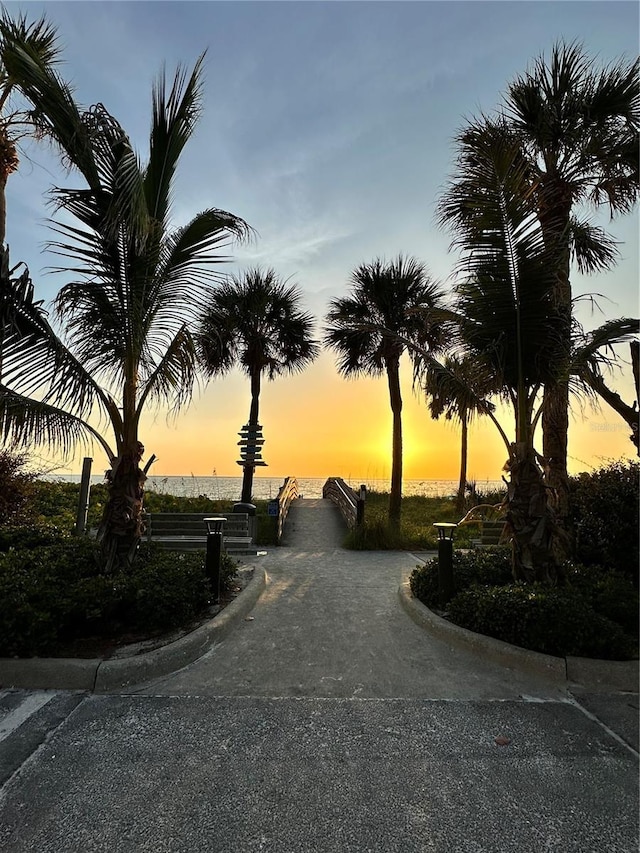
[
  {"x": 287, "y": 493},
  {"x": 482, "y": 512},
  {"x": 349, "y": 502},
  {"x": 490, "y": 517}
]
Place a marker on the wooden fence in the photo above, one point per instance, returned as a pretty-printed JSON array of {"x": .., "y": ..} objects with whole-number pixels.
[
  {"x": 280, "y": 506},
  {"x": 349, "y": 502}
]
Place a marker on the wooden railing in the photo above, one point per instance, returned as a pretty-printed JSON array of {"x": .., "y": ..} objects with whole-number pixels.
[
  {"x": 349, "y": 502},
  {"x": 491, "y": 524},
  {"x": 280, "y": 506}
]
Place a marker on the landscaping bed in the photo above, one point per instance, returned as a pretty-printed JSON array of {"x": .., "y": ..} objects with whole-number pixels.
[
  {"x": 55, "y": 602},
  {"x": 595, "y": 614}
]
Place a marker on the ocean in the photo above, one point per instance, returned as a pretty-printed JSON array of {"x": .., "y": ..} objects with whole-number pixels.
[{"x": 265, "y": 488}]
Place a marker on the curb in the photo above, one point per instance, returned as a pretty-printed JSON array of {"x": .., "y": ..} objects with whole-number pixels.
[
  {"x": 102, "y": 676},
  {"x": 597, "y": 675}
]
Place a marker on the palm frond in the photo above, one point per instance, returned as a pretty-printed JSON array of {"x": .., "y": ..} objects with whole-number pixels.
[
  {"x": 173, "y": 378},
  {"x": 54, "y": 111},
  {"x": 255, "y": 321},
  {"x": 389, "y": 301},
  {"x": 25, "y": 422},
  {"x": 593, "y": 350},
  {"x": 174, "y": 118},
  {"x": 593, "y": 248},
  {"x": 34, "y": 359}
]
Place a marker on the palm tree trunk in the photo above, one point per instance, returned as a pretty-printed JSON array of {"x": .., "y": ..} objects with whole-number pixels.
[
  {"x": 121, "y": 527},
  {"x": 463, "y": 463},
  {"x": 395, "y": 398},
  {"x": 248, "y": 470},
  {"x": 628, "y": 413},
  {"x": 529, "y": 518},
  {"x": 555, "y": 415}
]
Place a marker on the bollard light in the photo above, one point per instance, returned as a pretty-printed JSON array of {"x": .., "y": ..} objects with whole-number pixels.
[
  {"x": 445, "y": 561},
  {"x": 213, "y": 560},
  {"x": 445, "y": 530}
]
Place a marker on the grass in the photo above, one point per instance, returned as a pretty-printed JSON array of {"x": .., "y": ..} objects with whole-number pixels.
[{"x": 417, "y": 532}]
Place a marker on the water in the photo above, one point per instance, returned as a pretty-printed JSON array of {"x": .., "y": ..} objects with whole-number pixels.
[{"x": 264, "y": 488}]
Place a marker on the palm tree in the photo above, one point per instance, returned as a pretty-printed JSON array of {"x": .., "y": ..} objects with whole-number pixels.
[
  {"x": 366, "y": 329},
  {"x": 136, "y": 281},
  {"x": 508, "y": 321},
  {"x": 459, "y": 392},
  {"x": 578, "y": 127},
  {"x": 254, "y": 321},
  {"x": 40, "y": 38}
]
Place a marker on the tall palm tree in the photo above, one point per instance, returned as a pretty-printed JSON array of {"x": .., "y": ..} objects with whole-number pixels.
[
  {"x": 509, "y": 321},
  {"x": 254, "y": 322},
  {"x": 136, "y": 281},
  {"x": 459, "y": 391},
  {"x": 578, "y": 125},
  {"x": 389, "y": 302}
]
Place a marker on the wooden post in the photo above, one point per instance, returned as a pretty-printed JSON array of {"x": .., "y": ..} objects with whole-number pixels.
[
  {"x": 83, "y": 500},
  {"x": 360, "y": 506}
]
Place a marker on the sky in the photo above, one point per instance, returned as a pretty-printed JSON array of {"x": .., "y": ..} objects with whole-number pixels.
[{"x": 329, "y": 128}]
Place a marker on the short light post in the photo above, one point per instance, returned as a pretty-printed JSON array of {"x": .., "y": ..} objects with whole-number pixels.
[
  {"x": 213, "y": 559},
  {"x": 445, "y": 561}
]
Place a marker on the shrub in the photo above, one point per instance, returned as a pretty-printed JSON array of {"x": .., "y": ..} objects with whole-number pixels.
[
  {"x": 544, "y": 619},
  {"x": 611, "y": 594},
  {"x": 490, "y": 566},
  {"x": 605, "y": 516},
  {"x": 373, "y": 535},
  {"x": 56, "y": 594},
  {"x": 27, "y": 537},
  {"x": 595, "y": 615},
  {"x": 16, "y": 486}
]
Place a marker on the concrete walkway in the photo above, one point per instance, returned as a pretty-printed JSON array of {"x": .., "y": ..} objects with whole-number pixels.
[
  {"x": 325, "y": 722},
  {"x": 330, "y": 624}
]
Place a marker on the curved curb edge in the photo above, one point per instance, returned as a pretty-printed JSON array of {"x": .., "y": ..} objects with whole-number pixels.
[
  {"x": 102, "y": 676},
  {"x": 599, "y": 675}
]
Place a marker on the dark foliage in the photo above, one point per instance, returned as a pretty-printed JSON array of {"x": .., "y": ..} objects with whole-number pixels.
[
  {"x": 16, "y": 487},
  {"x": 605, "y": 515},
  {"x": 490, "y": 566},
  {"x": 541, "y": 618},
  {"x": 594, "y": 615},
  {"x": 55, "y": 594}
]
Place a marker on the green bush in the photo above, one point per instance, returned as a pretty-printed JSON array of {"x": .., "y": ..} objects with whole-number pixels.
[
  {"x": 55, "y": 594},
  {"x": 612, "y": 594},
  {"x": 375, "y": 535},
  {"x": 605, "y": 510},
  {"x": 490, "y": 566},
  {"x": 595, "y": 615},
  {"x": 16, "y": 487},
  {"x": 30, "y": 536},
  {"x": 544, "y": 619}
]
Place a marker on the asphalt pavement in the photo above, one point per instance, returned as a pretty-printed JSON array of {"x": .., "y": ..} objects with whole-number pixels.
[{"x": 325, "y": 719}]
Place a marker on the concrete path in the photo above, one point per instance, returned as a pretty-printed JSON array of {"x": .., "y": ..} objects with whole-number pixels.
[
  {"x": 330, "y": 625},
  {"x": 328, "y": 722}
]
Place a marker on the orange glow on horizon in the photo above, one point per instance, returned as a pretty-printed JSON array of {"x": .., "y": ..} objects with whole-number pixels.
[{"x": 317, "y": 424}]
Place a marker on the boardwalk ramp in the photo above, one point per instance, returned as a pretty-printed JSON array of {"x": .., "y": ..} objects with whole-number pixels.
[{"x": 314, "y": 524}]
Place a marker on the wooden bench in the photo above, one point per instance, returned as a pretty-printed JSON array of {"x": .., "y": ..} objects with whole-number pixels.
[
  {"x": 490, "y": 534},
  {"x": 186, "y": 531}
]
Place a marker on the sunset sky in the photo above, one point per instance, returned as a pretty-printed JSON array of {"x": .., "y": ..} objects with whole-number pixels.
[{"x": 328, "y": 127}]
